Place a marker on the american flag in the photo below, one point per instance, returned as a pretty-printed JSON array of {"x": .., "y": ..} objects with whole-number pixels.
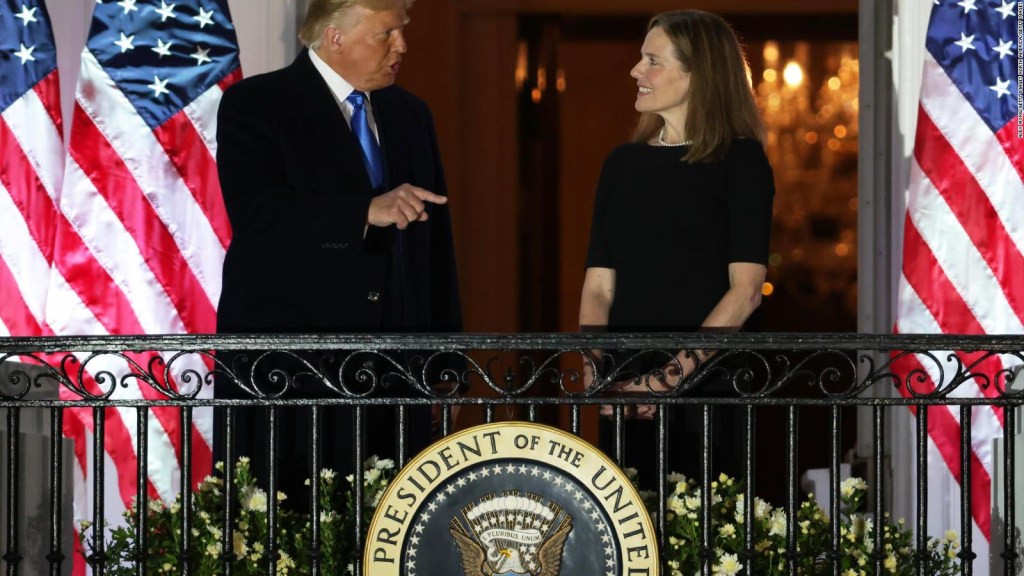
[
  {"x": 142, "y": 229},
  {"x": 31, "y": 163},
  {"x": 963, "y": 248}
]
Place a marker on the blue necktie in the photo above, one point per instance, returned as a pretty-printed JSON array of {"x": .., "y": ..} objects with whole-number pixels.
[{"x": 361, "y": 128}]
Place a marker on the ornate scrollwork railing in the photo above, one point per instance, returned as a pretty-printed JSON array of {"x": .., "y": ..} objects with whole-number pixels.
[
  {"x": 768, "y": 367},
  {"x": 831, "y": 371}
]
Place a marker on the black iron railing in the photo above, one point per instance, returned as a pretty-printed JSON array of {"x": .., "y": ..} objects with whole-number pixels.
[{"x": 530, "y": 373}]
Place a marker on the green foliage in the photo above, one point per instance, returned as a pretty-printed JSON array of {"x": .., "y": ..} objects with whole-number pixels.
[
  {"x": 813, "y": 535},
  {"x": 250, "y": 532}
]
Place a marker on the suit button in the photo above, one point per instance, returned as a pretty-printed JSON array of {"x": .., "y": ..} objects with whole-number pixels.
[{"x": 373, "y": 296}]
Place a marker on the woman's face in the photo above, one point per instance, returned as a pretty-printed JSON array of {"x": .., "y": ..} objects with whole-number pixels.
[{"x": 664, "y": 86}]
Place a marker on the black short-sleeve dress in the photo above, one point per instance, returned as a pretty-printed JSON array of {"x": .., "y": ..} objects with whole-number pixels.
[{"x": 670, "y": 229}]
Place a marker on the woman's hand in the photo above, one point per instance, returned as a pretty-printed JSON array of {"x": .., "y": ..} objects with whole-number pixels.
[{"x": 668, "y": 378}]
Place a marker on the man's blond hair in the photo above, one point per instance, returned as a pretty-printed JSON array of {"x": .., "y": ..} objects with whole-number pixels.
[{"x": 323, "y": 13}]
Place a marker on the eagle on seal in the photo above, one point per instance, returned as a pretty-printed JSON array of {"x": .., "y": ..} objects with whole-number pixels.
[{"x": 507, "y": 562}]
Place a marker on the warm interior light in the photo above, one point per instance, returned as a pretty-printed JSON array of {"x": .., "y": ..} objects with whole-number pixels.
[
  {"x": 767, "y": 289},
  {"x": 521, "y": 63},
  {"x": 542, "y": 78},
  {"x": 793, "y": 74},
  {"x": 770, "y": 75},
  {"x": 771, "y": 53},
  {"x": 560, "y": 80},
  {"x": 834, "y": 83},
  {"x": 840, "y": 131}
]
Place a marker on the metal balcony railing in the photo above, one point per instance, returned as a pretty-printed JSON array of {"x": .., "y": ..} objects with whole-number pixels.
[{"x": 562, "y": 379}]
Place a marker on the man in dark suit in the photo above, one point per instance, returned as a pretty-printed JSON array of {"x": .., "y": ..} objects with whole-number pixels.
[{"x": 333, "y": 183}]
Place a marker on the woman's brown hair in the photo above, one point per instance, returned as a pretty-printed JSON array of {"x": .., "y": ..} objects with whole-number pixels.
[{"x": 721, "y": 103}]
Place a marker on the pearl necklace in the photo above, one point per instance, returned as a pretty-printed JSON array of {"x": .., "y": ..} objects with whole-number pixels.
[{"x": 661, "y": 140}]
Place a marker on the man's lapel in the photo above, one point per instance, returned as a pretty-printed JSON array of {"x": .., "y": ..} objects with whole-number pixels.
[
  {"x": 391, "y": 133},
  {"x": 332, "y": 130}
]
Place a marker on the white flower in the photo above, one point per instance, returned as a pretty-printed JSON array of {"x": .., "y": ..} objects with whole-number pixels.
[
  {"x": 676, "y": 505},
  {"x": 257, "y": 501},
  {"x": 761, "y": 508},
  {"x": 869, "y": 525},
  {"x": 729, "y": 566},
  {"x": 328, "y": 474},
  {"x": 384, "y": 464},
  {"x": 371, "y": 475},
  {"x": 240, "y": 547},
  {"x": 851, "y": 485},
  {"x": 372, "y": 500},
  {"x": 284, "y": 562},
  {"x": 777, "y": 523}
]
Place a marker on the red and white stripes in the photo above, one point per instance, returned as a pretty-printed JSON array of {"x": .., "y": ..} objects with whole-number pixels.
[
  {"x": 963, "y": 264},
  {"x": 31, "y": 171},
  {"x": 139, "y": 246}
]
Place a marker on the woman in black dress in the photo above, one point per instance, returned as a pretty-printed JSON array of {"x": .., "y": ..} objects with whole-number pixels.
[{"x": 681, "y": 226}]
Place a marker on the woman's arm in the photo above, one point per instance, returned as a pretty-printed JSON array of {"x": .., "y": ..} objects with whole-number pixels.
[
  {"x": 735, "y": 307},
  {"x": 743, "y": 297},
  {"x": 595, "y": 304},
  {"x": 596, "y": 300}
]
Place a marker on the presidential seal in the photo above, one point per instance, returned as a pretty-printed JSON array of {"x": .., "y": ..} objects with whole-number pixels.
[{"x": 511, "y": 499}]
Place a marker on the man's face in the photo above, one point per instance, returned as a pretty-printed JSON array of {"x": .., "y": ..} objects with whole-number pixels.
[{"x": 366, "y": 46}]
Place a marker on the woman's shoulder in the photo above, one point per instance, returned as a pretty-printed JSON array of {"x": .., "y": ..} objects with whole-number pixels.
[
  {"x": 746, "y": 149},
  {"x": 627, "y": 153}
]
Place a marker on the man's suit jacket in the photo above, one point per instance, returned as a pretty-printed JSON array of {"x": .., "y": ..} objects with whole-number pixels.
[{"x": 297, "y": 194}]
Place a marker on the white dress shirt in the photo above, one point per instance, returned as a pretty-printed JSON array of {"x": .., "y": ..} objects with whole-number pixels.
[{"x": 341, "y": 90}]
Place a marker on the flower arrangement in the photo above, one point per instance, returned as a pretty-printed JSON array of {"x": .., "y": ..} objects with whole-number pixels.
[
  {"x": 681, "y": 556},
  {"x": 813, "y": 535},
  {"x": 250, "y": 528}
]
